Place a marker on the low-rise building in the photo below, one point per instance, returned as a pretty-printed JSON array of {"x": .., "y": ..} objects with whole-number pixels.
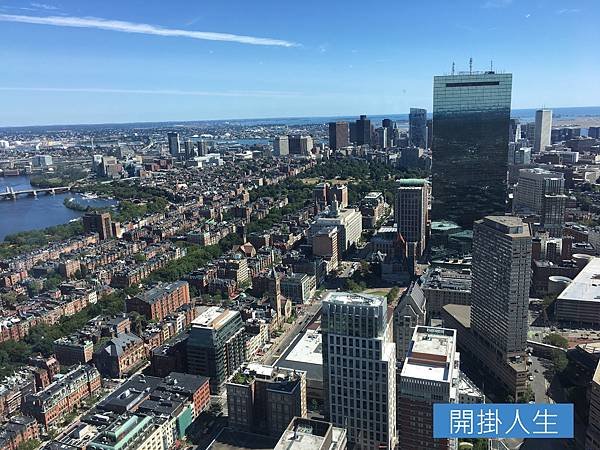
[
  {"x": 120, "y": 355},
  {"x": 51, "y": 404},
  {"x": 311, "y": 434},
  {"x": 160, "y": 301},
  {"x": 264, "y": 398},
  {"x": 579, "y": 302},
  {"x": 444, "y": 286}
]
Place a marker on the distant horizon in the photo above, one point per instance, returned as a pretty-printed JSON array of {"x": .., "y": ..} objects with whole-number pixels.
[{"x": 273, "y": 118}]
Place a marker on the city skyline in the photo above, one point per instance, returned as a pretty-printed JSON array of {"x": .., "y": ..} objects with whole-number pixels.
[{"x": 114, "y": 64}]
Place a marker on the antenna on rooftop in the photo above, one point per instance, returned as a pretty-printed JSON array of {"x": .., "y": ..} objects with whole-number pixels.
[
  {"x": 491, "y": 65},
  {"x": 470, "y": 66},
  {"x": 452, "y": 67}
]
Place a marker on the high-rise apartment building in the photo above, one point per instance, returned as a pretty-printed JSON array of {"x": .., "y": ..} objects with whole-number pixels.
[
  {"x": 541, "y": 192},
  {"x": 300, "y": 144},
  {"x": 359, "y": 367},
  {"x": 471, "y": 114},
  {"x": 417, "y": 127},
  {"x": 339, "y": 135},
  {"x": 500, "y": 283},
  {"x": 411, "y": 211},
  {"x": 514, "y": 132},
  {"x": 97, "y": 222},
  {"x": 215, "y": 348},
  {"x": 348, "y": 223},
  {"x": 430, "y": 374},
  {"x": 389, "y": 125},
  {"x": 363, "y": 131},
  {"x": 281, "y": 146},
  {"x": 543, "y": 129},
  {"x": 174, "y": 145}
]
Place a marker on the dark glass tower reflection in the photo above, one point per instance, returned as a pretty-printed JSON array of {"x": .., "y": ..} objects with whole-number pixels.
[
  {"x": 417, "y": 127},
  {"x": 471, "y": 115}
]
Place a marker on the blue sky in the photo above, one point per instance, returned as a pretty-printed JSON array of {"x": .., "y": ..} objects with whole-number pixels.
[{"x": 73, "y": 61}]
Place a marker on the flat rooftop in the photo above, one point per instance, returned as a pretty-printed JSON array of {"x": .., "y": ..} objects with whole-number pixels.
[
  {"x": 348, "y": 298},
  {"x": 237, "y": 440},
  {"x": 462, "y": 313},
  {"x": 586, "y": 285},
  {"x": 305, "y": 353},
  {"x": 431, "y": 354},
  {"x": 213, "y": 317}
]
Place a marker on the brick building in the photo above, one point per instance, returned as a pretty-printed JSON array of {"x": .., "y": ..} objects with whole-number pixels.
[{"x": 160, "y": 301}]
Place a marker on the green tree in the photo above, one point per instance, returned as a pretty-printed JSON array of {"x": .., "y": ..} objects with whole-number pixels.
[
  {"x": 31, "y": 444},
  {"x": 559, "y": 361},
  {"x": 557, "y": 340}
]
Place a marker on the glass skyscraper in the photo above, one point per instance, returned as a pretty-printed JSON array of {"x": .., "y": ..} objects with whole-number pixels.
[
  {"x": 417, "y": 127},
  {"x": 471, "y": 116}
]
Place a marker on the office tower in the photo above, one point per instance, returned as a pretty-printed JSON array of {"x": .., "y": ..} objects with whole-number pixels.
[
  {"x": 592, "y": 441},
  {"x": 190, "y": 149},
  {"x": 389, "y": 125},
  {"x": 417, "y": 127},
  {"x": 174, "y": 147},
  {"x": 216, "y": 346},
  {"x": 281, "y": 146},
  {"x": 300, "y": 144},
  {"x": 543, "y": 129},
  {"x": 325, "y": 245},
  {"x": 541, "y": 192},
  {"x": 381, "y": 137},
  {"x": 348, "y": 223},
  {"x": 264, "y": 399},
  {"x": 410, "y": 312},
  {"x": 338, "y": 192},
  {"x": 471, "y": 115},
  {"x": 430, "y": 374},
  {"x": 501, "y": 271},
  {"x": 594, "y": 132},
  {"x": 96, "y": 222},
  {"x": 359, "y": 366},
  {"x": 429, "y": 132},
  {"x": 514, "y": 131},
  {"x": 203, "y": 147},
  {"x": 339, "y": 135},
  {"x": 411, "y": 212},
  {"x": 363, "y": 131},
  {"x": 522, "y": 156}
]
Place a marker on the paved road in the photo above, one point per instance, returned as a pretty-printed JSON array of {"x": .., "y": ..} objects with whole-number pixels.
[
  {"x": 539, "y": 385},
  {"x": 286, "y": 339}
]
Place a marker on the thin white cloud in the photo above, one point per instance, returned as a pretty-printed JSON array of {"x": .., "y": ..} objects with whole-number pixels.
[
  {"x": 141, "y": 28},
  {"x": 497, "y": 3},
  {"x": 99, "y": 90},
  {"x": 568, "y": 11},
  {"x": 44, "y": 6}
]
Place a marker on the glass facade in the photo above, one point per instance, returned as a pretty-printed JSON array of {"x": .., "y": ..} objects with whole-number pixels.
[
  {"x": 471, "y": 119},
  {"x": 417, "y": 127}
]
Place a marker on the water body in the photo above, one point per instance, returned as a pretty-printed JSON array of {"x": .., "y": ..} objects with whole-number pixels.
[
  {"x": 524, "y": 114},
  {"x": 30, "y": 213}
]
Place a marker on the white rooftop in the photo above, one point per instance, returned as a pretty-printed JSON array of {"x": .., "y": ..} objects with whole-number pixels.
[
  {"x": 307, "y": 350},
  {"x": 213, "y": 317},
  {"x": 431, "y": 354},
  {"x": 352, "y": 298},
  {"x": 586, "y": 285}
]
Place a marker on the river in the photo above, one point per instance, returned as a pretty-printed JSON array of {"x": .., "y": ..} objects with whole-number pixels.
[{"x": 30, "y": 213}]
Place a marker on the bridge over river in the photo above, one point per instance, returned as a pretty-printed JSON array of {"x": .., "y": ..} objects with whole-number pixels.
[{"x": 11, "y": 194}]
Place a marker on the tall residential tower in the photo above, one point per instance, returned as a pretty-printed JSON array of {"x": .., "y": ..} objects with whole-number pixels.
[{"x": 359, "y": 367}]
